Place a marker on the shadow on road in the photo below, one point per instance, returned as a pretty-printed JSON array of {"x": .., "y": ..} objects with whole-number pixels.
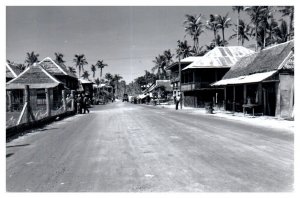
[
  {"x": 20, "y": 145},
  {"x": 9, "y": 154}
]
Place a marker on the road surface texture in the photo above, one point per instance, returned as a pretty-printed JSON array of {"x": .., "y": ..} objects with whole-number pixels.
[{"x": 122, "y": 147}]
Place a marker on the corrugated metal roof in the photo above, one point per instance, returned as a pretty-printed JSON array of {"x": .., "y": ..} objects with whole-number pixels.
[
  {"x": 220, "y": 57},
  {"x": 253, "y": 78},
  {"x": 230, "y": 51}
]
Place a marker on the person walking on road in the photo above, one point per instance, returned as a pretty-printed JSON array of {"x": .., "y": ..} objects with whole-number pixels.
[
  {"x": 86, "y": 104},
  {"x": 79, "y": 104}
]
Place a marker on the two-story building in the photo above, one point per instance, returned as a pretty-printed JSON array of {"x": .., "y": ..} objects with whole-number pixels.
[
  {"x": 174, "y": 70},
  {"x": 198, "y": 75}
]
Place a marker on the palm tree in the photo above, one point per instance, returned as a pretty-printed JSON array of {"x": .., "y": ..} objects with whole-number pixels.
[
  {"x": 80, "y": 61},
  {"x": 194, "y": 27},
  {"x": 149, "y": 77},
  {"x": 21, "y": 66},
  {"x": 242, "y": 32},
  {"x": 267, "y": 17},
  {"x": 256, "y": 14},
  {"x": 282, "y": 33},
  {"x": 85, "y": 75},
  {"x": 168, "y": 57},
  {"x": 238, "y": 9},
  {"x": 97, "y": 81},
  {"x": 223, "y": 22},
  {"x": 271, "y": 30},
  {"x": 31, "y": 58},
  {"x": 183, "y": 49},
  {"x": 219, "y": 41},
  {"x": 108, "y": 77},
  {"x": 93, "y": 68},
  {"x": 289, "y": 11},
  {"x": 160, "y": 63},
  {"x": 101, "y": 65},
  {"x": 211, "y": 24},
  {"x": 59, "y": 58},
  {"x": 116, "y": 79},
  {"x": 72, "y": 70}
]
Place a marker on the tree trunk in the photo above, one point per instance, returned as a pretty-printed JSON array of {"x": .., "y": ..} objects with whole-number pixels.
[
  {"x": 223, "y": 34},
  {"x": 256, "y": 45},
  {"x": 291, "y": 25},
  {"x": 215, "y": 35},
  {"x": 237, "y": 29},
  {"x": 100, "y": 73}
]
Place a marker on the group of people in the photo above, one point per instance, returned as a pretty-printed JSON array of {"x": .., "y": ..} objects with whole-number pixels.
[{"x": 82, "y": 104}]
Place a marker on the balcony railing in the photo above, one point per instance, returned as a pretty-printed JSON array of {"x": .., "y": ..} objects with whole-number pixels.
[{"x": 194, "y": 86}]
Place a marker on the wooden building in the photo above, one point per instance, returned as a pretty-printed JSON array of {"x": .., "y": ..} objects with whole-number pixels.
[
  {"x": 262, "y": 82},
  {"x": 162, "y": 90},
  {"x": 60, "y": 72},
  {"x": 38, "y": 80},
  {"x": 174, "y": 70},
  {"x": 86, "y": 87},
  {"x": 197, "y": 76}
]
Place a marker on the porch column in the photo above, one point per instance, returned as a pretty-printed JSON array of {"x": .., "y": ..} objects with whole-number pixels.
[
  {"x": 225, "y": 98},
  {"x": 259, "y": 89},
  {"x": 10, "y": 107},
  {"x": 73, "y": 100},
  {"x": 27, "y": 100},
  {"x": 245, "y": 94},
  {"x": 48, "y": 103},
  {"x": 233, "y": 101},
  {"x": 63, "y": 93},
  {"x": 265, "y": 101}
]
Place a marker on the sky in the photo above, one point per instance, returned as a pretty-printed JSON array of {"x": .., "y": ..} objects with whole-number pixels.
[{"x": 126, "y": 38}]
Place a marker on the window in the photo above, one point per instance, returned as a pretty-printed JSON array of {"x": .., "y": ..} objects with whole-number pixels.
[{"x": 40, "y": 97}]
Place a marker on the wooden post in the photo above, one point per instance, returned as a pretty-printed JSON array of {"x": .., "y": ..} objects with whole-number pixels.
[
  {"x": 73, "y": 100},
  {"x": 278, "y": 101},
  {"x": 225, "y": 98},
  {"x": 233, "y": 102},
  {"x": 245, "y": 94},
  {"x": 27, "y": 100},
  {"x": 265, "y": 101},
  {"x": 48, "y": 103},
  {"x": 63, "y": 92},
  {"x": 259, "y": 89},
  {"x": 10, "y": 107}
]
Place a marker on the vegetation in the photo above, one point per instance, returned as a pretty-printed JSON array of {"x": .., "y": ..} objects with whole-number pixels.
[
  {"x": 263, "y": 28},
  {"x": 80, "y": 62},
  {"x": 31, "y": 58}
]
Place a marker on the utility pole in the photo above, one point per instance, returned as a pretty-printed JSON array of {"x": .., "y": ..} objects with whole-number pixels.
[{"x": 179, "y": 65}]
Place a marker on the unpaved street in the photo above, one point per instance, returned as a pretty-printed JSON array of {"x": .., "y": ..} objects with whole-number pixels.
[{"x": 126, "y": 147}]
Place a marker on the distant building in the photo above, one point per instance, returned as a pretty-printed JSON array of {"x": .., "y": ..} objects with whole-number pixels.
[
  {"x": 86, "y": 87},
  {"x": 263, "y": 81},
  {"x": 12, "y": 71}
]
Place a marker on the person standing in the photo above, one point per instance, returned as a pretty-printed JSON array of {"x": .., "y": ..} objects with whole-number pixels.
[
  {"x": 178, "y": 100},
  {"x": 79, "y": 104},
  {"x": 86, "y": 104}
]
